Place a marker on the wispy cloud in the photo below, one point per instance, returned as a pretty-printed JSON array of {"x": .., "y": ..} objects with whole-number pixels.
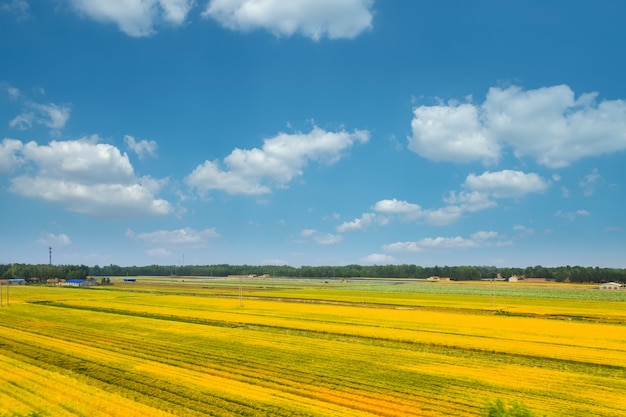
[
  {"x": 378, "y": 259},
  {"x": 186, "y": 236},
  {"x": 143, "y": 148},
  {"x": 571, "y": 215},
  {"x": 18, "y": 8},
  {"x": 320, "y": 238},
  {"x": 52, "y": 115},
  {"x": 55, "y": 240},
  {"x": 478, "y": 239},
  {"x": 590, "y": 182}
]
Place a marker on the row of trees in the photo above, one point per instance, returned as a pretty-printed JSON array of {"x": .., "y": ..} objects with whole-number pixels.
[
  {"x": 562, "y": 273},
  {"x": 40, "y": 273}
]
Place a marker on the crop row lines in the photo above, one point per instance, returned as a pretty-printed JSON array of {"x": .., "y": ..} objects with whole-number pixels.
[{"x": 228, "y": 370}]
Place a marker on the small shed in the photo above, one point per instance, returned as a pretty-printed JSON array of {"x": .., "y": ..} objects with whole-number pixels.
[{"x": 611, "y": 286}]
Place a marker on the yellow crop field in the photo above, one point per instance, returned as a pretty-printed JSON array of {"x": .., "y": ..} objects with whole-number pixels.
[{"x": 165, "y": 347}]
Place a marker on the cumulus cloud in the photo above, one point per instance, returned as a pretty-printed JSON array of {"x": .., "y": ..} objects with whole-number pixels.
[
  {"x": 457, "y": 204},
  {"x": 548, "y": 124},
  {"x": 398, "y": 207},
  {"x": 506, "y": 183},
  {"x": 143, "y": 148},
  {"x": 361, "y": 223},
  {"x": 186, "y": 236},
  {"x": 136, "y": 18},
  {"x": 451, "y": 133},
  {"x": 478, "y": 239},
  {"x": 9, "y": 159},
  {"x": 87, "y": 177},
  {"x": 281, "y": 159},
  {"x": 483, "y": 191},
  {"x": 311, "y": 18}
]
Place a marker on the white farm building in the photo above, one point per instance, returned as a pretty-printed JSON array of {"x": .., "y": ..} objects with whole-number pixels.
[{"x": 611, "y": 286}]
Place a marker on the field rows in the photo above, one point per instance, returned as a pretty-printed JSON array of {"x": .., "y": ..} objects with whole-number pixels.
[
  {"x": 228, "y": 364},
  {"x": 516, "y": 335},
  {"x": 190, "y": 356}
]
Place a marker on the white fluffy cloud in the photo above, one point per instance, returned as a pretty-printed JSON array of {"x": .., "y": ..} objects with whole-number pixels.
[
  {"x": 506, "y": 183},
  {"x": 135, "y": 17},
  {"x": 9, "y": 160},
  {"x": 451, "y": 133},
  {"x": 87, "y": 177},
  {"x": 186, "y": 236},
  {"x": 361, "y": 223},
  {"x": 282, "y": 158},
  {"x": 398, "y": 207},
  {"x": 457, "y": 204},
  {"x": 312, "y": 18},
  {"x": 548, "y": 124},
  {"x": 483, "y": 190}
]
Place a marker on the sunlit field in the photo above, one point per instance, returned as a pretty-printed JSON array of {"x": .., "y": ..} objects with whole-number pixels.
[{"x": 269, "y": 347}]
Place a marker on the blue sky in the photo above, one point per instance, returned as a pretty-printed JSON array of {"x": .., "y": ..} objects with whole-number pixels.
[{"x": 313, "y": 132}]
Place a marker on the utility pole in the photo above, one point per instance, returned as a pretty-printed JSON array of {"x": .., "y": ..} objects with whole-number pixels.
[{"x": 50, "y": 255}]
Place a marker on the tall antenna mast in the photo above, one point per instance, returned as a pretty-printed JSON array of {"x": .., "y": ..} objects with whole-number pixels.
[{"x": 50, "y": 254}]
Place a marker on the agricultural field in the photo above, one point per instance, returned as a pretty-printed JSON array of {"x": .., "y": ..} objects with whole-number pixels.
[{"x": 269, "y": 347}]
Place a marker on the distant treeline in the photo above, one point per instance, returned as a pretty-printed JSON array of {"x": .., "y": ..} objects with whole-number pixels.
[{"x": 40, "y": 273}]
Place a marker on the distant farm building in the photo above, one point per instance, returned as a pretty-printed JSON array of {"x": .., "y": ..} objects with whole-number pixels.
[
  {"x": 514, "y": 278},
  {"x": 436, "y": 278},
  {"x": 78, "y": 283},
  {"x": 611, "y": 286},
  {"x": 16, "y": 281}
]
